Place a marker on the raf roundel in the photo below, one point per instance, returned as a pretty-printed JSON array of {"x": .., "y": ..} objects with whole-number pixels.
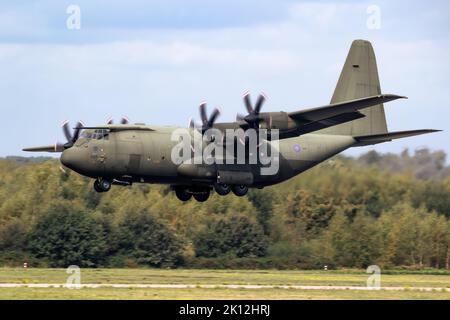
[{"x": 296, "y": 148}]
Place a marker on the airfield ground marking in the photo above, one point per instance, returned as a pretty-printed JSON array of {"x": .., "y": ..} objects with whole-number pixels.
[{"x": 216, "y": 286}]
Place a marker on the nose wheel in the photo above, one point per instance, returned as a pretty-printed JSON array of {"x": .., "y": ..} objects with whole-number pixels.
[{"x": 102, "y": 185}]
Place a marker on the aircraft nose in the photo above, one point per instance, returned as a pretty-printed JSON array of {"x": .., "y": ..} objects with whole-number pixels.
[{"x": 71, "y": 159}]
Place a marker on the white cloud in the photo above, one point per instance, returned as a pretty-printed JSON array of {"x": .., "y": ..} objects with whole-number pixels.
[{"x": 136, "y": 53}]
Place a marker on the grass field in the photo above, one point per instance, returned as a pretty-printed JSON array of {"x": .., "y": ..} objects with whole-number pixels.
[{"x": 220, "y": 277}]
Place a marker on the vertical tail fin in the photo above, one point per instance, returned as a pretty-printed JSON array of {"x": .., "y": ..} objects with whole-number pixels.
[{"x": 358, "y": 79}]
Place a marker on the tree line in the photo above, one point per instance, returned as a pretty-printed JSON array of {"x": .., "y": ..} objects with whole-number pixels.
[{"x": 385, "y": 209}]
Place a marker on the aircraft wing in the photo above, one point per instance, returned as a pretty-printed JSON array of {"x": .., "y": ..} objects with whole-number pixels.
[
  {"x": 121, "y": 127},
  {"x": 53, "y": 148},
  {"x": 336, "y": 110}
]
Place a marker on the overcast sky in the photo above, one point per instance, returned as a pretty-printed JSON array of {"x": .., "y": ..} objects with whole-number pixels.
[{"x": 155, "y": 61}]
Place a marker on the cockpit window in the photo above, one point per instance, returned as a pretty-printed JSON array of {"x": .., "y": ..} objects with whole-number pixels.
[{"x": 97, "y": 134}]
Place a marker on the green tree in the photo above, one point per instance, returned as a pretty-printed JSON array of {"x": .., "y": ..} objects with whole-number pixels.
[
  {"x": 65, "y": 236},
  {"x": 149, "y": 242},
  {"x": 236, "y": 235},
  {"x": 351, "y": 243},
  {"x": 435, "y": 196},
  {"x": 13, "y": 235},
  {"x": 263, "y": 201}
]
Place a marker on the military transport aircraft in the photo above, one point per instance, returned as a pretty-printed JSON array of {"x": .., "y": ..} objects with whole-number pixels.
[{"x": 125, "y": 153}]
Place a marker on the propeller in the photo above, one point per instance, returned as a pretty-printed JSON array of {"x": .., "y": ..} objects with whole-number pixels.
[
  {"x": 253, "y": 117},
  {"x": 192, "y": 124},
  {"x": 71, "y": 137},
  {"x": 123, "y": 120},
  {"x": 207, "y": 122}
]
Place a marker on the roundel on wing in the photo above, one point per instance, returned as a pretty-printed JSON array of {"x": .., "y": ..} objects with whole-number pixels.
[{"x": 296, "y": 147}]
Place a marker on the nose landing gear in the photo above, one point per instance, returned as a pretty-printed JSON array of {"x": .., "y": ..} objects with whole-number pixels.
[{"x": 102, "y": 185}]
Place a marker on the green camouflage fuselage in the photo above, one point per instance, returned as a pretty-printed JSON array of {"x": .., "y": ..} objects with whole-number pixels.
[{"x": 145, "y": 156}]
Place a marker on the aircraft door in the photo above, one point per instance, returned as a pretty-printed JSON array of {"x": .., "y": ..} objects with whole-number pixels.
[
  {"x": 129, "y": 152},
  {"x": 97, "y": 152}
]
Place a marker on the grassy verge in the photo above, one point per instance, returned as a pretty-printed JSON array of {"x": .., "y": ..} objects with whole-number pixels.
[
  {"x": 197, "y": 293},
  {"x": 215, "y": 277}
]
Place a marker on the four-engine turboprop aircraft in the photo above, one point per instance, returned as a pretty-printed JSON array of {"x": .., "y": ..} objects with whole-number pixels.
[{"x": 126, "y": 153}]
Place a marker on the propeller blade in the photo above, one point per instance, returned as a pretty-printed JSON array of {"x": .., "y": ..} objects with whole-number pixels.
[
  {"x": 248, "y": 103},
  {"x": 66, "y": 130},
  {"x": 191, "y": 123},
  {"x": 76, "y": 132},
  {"x": 124, "y": 120},
  {"x": 262, "y": 97},
  {"x": 213, "y": 117},
  {"x": 110, "y": 120},
  {"x": 239, "y": 117},
  {"x": 203, "y": 115}
]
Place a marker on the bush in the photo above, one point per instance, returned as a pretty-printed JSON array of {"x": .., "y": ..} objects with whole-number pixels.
[
  {"x": 237, "y": 235},
  {"x": 13, "y": 235},
  {"x": 148, "y": 242},
  {"x": 66, "y": 237}
]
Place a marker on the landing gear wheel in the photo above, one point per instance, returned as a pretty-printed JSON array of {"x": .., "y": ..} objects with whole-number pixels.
[
  {"x": 201, "y": 197},
  {"x": 240, "y": 190},
  {"x": 182, "y": 194},
  {"x": 102, "y": 185},
  {"x": 222, "y": 189},
  {"x": 97, "y": 187}
]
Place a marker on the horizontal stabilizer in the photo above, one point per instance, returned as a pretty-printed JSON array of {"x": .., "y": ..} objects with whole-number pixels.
[{"x": 385, "y": 137}]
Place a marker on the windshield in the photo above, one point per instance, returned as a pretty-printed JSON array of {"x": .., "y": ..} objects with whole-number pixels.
[{"x": 95, "y": 134}]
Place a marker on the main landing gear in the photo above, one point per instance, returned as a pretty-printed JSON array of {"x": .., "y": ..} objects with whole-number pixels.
[
  {"x": 224, "y": 189},
  {"x": 183, "y": 194},
  {"x": 240, "y": 190},
  {"x": 199, "y": 194},
  {"x": 102, "y": 185}
]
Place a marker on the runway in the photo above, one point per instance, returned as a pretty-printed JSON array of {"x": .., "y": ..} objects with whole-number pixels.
[{"x": 215, "y": 286}]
